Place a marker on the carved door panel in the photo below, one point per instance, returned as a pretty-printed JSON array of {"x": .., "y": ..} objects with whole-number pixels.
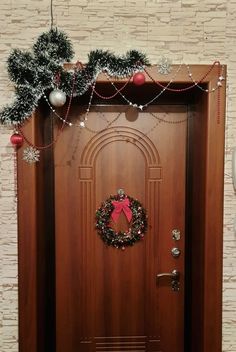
[{"x": 109, "y": 299}]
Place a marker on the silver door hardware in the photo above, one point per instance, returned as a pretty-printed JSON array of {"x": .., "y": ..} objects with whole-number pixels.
[
  {"x": 176, "y": 234},
  {"x": 175, "y": 276},
  {"x": 175, "y": 252}
]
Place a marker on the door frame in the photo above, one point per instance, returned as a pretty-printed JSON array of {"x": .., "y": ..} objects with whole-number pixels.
[{"x": 205, "y": 181}]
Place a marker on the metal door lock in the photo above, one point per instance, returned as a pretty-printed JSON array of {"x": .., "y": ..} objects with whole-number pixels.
[
  {"x": 175, "y": 285},
  {"x": 176, "y": 234},
  {"x": 175, "y": 276},
  {"x": 175, "y": 252}
]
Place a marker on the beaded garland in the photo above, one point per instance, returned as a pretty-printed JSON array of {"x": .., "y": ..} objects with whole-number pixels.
[
  {"x": 137, "y": 228},
  {"x": 36, "y": 74}
]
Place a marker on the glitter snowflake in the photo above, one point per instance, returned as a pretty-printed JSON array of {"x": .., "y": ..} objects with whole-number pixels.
[
  {"x": 164, "y": 66},
  {"x": 31, "y": 155}
]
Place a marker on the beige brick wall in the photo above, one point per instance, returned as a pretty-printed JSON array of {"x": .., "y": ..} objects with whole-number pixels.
[{"x": 189, "y": 31}]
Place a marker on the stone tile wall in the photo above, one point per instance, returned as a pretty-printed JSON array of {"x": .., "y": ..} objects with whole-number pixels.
[{"x": 189, "y": 31}]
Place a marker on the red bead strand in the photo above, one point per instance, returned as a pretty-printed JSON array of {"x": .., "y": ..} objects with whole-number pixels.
[
  {"x": 82, "y": 66},
  {"x": 61, "y": 128},
  {"x": 112, "y": 96},
  {"x": 218, "y": 98},
  {"x": 186, "y": 88}
]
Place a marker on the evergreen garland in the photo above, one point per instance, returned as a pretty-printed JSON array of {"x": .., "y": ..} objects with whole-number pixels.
[{"x": 34, "y": 73}]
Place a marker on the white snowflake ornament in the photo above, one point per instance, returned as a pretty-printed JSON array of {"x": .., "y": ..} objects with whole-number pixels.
[
  {"x": 164, "y": 66},
  {"x": 31, "y": 155}
]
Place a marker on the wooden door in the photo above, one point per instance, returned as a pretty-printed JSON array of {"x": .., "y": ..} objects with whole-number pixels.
[{"x": 109, "y": 299}]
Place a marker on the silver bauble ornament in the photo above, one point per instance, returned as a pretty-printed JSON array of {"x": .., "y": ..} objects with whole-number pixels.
[{"x": 57, "y": 98}]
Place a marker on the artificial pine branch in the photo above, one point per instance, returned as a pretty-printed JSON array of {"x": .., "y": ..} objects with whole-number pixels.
[{"x": 34, "y": 73}]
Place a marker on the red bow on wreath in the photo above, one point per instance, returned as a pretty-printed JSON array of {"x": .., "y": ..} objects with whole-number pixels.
[{"x": 120, "y": 205}]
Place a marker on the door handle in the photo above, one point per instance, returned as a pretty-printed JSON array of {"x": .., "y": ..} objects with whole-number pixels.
[{"x": 175, "y": 276}]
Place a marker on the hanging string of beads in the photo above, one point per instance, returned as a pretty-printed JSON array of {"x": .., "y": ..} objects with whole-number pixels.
[
  {"x": 196, "y": 83},
  {"x": 141, "y": 107},
  {"x": 167, "y": 86},
  {"x": 16, "y": 140},
  {"x": 31, "y": 154},
  {"x": 118, "y": 91}
]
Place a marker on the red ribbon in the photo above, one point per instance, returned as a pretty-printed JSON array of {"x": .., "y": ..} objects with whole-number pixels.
[{"x": 120, "y": 205}]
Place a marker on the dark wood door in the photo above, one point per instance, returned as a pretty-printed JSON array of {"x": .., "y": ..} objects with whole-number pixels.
[{"x": 109, "y": 299}]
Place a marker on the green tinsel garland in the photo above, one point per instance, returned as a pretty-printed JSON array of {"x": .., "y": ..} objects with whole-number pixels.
[
  {"x": 34, "y": 73},
  {"x": 120, "y": 239}
]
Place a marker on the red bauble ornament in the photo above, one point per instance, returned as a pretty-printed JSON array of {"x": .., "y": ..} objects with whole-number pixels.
[
  {"x": 139, "y": 79},
  {"x": 17, "y": 139}
]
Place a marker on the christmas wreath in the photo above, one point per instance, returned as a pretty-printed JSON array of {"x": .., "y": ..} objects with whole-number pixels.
[{"x": 111, "y": 208}]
